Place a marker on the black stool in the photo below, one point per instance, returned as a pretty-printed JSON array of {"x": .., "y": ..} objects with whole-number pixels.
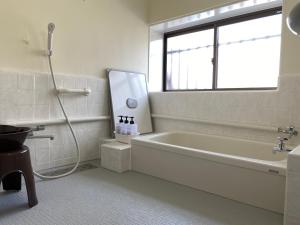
[{"x": 12, "y": 165}]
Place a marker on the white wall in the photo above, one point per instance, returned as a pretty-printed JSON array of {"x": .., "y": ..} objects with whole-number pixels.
[
  {"x": 90, "y": 35},
  {"x": 167, "y": 9}
]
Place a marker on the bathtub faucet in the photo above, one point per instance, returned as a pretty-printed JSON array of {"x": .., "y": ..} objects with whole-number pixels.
[
  {"x": 39, "y": 128},
  {"x": 281, "y": 145},
  {"x": 31, "y": 136}
]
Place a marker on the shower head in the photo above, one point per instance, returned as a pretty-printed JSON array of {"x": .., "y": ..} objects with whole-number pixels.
[{"x": 51, "y": 27}]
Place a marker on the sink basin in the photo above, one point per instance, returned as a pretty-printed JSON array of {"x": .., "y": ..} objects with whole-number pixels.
[{"x": 12, "y": 137}]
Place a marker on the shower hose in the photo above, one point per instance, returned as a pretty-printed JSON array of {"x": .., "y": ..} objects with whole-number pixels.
[{"x": 69, "y": 125}]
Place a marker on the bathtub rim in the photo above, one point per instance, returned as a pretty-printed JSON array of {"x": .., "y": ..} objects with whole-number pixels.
[{"x": 277, "y": 168}]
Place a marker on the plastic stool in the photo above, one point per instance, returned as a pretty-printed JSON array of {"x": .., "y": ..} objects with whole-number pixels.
[{"x": 12, "y": 165}]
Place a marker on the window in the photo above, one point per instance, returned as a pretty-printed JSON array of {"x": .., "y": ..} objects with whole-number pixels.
[{"x": 236, "y": 53}]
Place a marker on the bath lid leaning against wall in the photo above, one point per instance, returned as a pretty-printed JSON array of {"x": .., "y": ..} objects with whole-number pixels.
[{"x": 129, "y": 97}]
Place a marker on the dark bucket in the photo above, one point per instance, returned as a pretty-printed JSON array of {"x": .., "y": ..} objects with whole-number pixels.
[{"x": 12, "y": 137}]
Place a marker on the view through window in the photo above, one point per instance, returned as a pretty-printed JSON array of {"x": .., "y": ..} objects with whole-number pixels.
[{"x": 241, "y": 53}]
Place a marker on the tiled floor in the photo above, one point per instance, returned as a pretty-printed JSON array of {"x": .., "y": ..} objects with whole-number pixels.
[{"x": 98, "y": 196}]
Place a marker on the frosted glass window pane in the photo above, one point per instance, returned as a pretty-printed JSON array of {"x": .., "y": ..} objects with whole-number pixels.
[
  {"x": 249, "y": 53},
  {"x": 189, "y": 61}
]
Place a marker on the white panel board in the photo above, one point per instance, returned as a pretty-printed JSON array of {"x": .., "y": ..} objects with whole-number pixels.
[{"x": 129, "y": 97}]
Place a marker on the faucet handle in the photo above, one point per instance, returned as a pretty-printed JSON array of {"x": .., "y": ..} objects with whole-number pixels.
[
  {"x": 39, "y": 128},
  {"x": 282, "y": 139},
  {"x": 292, "y": 130}
]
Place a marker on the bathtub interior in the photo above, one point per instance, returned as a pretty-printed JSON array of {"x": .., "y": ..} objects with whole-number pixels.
[{"x": 222, "y": 145}]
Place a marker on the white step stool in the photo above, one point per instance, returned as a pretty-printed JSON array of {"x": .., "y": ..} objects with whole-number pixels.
[{"x": 116, "y": 156}]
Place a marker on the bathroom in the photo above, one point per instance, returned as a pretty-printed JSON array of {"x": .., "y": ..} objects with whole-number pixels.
[{"x": 85, "y": 38}]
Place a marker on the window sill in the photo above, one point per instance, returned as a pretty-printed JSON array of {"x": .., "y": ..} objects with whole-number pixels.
[{"x": 224, "y": 89}]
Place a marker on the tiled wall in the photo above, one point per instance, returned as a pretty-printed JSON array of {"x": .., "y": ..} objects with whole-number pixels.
[
  {"x": 61, "y": 151},
  {"x": 30, "y": 97},
  {"x": 26, "y": 97},
  {"x": 260, "y": 108}
]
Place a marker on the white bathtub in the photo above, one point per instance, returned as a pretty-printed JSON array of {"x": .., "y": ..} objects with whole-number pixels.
[{"x": 241, "y": 170}]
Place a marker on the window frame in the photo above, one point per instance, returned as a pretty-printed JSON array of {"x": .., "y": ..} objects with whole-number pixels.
[{"x": 215, "y": 25}]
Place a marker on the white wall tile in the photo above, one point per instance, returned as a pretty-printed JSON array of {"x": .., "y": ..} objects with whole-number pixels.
[
  {"x": 42, "y": 156},
  {"x": 41, "y": 82},
  {"x": 55, "y": 110},
  {"x": 41, "y": 112},
  {"x": 26, "y": 97},
  {"x": 56, "y": 152},
  {"x": 69, "y": 82},
  {"x": 8, "y": 80},
  {"x": 70, "y": 105},
  {"x": 81, "y": 82},
  {"x": 82, "y": 106},
  {"x": 43, "y": 96},
  {"x": 25, "y": 112},
  {"x": 64, "y": 162},
  {"x": 26, "y": 82},
  {"x": 59, "y": 80},
  {"x": 41, "y": 143},
  {"x": 9, "y": 112}
]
